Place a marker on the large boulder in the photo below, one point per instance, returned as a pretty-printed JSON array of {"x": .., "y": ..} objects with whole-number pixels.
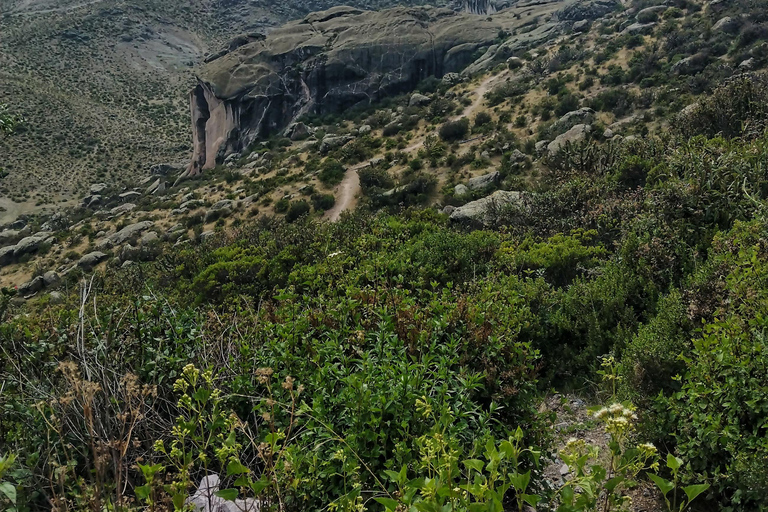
[
  {"x": 584, "y": 115},
  {"x": 126, "y": 234},
  {"x": 726, "y": 24},
  {"x": 8, "y": 236},
  {"x": 334, "y": 59},
  {"x": 31, "y": 287},
  {"x": 575, "y": 134},
  {"x": 31, "y": 244},
  {"x": 334, "y": 141},
  {"x": 639, "y": 28},
  {"x": 690, "y": 65},
  {"x": 483, "y": 211},
  {"x": 484, "y": 181},
  {"x": 419, "y": 100},
  {"x": 90, "y": 260},
  {"x": 6, "y": 255},
  {"x": 220, "y": 209}
]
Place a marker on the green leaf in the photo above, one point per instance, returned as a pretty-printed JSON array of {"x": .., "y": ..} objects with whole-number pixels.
[
  {"x": 477, "y": 507},
  {"x": 663, "y": 485},
  {"x": 521, "y": 481},
  {"x": 235, "y": 468},
  {"x": 475, "y": 464},
  {"x": 673, "y": 462},
  {"x": 611, "y": 484},
  {"x": 692, "y": 491},
  {"x": 389, "y": 503},
  {"x": 426, "y": 506},
  {"x": 394, "y": 476},
  {"x": 143, "y": 491},
  {"x": 9, "y": 490},
  {"x": 259, "y": 486},
  {"x": 178, "y": 501},
  {"x": 531, "y": 499},
  {"x": 227, "y": 494}
]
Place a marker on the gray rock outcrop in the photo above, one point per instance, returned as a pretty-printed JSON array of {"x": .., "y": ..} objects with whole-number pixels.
[
  {"x": 333, "y": 59},
  {"x": 90, "y": 260},
  {"x": 126, "y": 234},
  {"x": 485, "y": 210},
  {"x": 485, "y": 181},
  {"x": 575, "y": 134}
]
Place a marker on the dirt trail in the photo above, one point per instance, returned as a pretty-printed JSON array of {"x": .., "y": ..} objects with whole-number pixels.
[
  {"x": 346, "y": 193},
  {"x": 348, "y": 189},
  {"x": 483, "y": 88}
]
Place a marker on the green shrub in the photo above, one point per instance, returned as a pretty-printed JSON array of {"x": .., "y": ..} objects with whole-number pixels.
[
  {"x": 482, "y": 119},
  {"x": 331, "y": 172},
  {"x": 282, "y": 205},
  {"x": 297, "y": 210},
  {"x": 323, "y": 202},
  {"x": 737, "y": 109},
  {"x": 454, "y": 130}
]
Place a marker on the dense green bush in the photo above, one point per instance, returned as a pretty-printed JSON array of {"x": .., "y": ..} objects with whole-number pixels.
[
  {"x": 738, "y": 108},
  {"x": 454, "y": 130},
  {"x": 296, "y": 210},
  {"x": 331, "y": 172}
]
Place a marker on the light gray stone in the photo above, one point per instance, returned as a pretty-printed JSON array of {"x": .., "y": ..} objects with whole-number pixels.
[
  {"x": 125, "y": 234},
  {"x": 91, "y": 259},
  {"x": 575, "y": 134},
  {"x": 483, "y": 210},
  {"x": 51, "y": 278},
  {"x": 484, "y": 181},
  {"x": 419, "y": 100},
  {"x": 31, "y": 243},
  {"x": 97, "y": 188}
]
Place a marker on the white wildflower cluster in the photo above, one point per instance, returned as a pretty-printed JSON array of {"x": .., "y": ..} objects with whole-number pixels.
[{"x": 618, "y": 419}]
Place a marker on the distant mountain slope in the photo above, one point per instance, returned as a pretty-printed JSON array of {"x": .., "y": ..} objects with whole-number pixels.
[{"x": 103, "y": 84}]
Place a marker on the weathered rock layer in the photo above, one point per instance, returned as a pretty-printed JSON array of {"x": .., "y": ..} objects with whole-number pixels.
[{"x": 327, "y": 62}]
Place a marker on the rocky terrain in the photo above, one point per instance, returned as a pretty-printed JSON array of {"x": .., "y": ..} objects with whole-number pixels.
[
  {"x": 333, "y": 60},
  {"x": 339, "y": 109},
  {"x": 102, "y": 85}
]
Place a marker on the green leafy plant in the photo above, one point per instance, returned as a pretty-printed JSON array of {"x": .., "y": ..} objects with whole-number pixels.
[{"x": 677, "y": 504}]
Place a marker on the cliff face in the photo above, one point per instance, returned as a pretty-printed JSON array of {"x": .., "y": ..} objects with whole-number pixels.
[
  {"x": 479, "y": 6},
  {"x": 326, "y": 62}
]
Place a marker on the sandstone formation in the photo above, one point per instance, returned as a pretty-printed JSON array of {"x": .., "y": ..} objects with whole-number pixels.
[{"x": 332, "y": 60}]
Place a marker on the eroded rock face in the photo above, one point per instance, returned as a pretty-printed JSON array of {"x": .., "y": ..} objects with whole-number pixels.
[
  {"x": 327, "y": 62},
  {"x": 479, "y": 6}
]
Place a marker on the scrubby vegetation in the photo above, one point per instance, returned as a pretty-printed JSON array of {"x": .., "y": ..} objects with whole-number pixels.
[
  {"x": 398, "y": 360},
  {"x": 315, "y": 364}
]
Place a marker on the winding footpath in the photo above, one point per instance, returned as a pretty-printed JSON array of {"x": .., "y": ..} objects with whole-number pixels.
[{"x": 348, "y": 190}]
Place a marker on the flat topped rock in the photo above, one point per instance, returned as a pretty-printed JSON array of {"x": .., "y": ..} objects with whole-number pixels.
[{"x": 90, "y": 260}]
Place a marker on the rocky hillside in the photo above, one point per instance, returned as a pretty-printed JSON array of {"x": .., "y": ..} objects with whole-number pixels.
[
  {"x": 287, "y": 127},
  {"x": 102, "y": 85},
  {"x": 333, "y": 60}
]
